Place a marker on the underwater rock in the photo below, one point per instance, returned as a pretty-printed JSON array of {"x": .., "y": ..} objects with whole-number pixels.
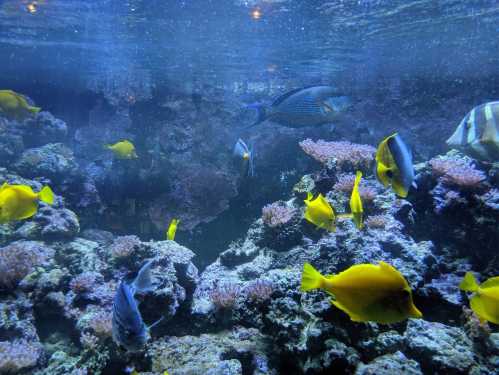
[
  {"x": 44, "y": 128},
  {"x": 50, "y": 224},
  {"x": 396, "y": 363},
  {"x": 439, "y": 348},
  {"x": 54, "y": 161},
  {"x": 236, "y": 352}
]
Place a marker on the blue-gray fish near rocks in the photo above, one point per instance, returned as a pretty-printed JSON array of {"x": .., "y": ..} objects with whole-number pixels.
[{"x": 129, "y": 330}]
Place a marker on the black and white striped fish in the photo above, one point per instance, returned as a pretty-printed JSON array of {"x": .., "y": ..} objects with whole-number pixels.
[
  {"x": 129, "y": 330},
  {"x": 310, "y": 106},
  {"x": 478, "y": 132}
]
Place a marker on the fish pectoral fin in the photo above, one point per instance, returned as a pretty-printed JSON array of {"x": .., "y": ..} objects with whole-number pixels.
[{"x": 353, "y": 317}]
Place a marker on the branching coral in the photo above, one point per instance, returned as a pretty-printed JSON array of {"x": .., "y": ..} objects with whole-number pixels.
[
  {"x": 18, "y": 355},
  {"x": 259, "y": 290},
  {"x": 457, "y": 172},
  {"x": 346, "y": 153},
  {"x": 277, "y": 214},
  {"x": 19, "y": 259},
  {"x": 224, "y": 296}
]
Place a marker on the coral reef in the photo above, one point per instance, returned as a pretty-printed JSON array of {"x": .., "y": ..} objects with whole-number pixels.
[{"x": 348, "y": 155}]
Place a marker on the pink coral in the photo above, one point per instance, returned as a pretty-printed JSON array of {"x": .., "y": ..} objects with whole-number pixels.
[
  {"x": 346, "y": 154},
  {"x": 457, "y": 172},
  {"x": 124, "y": 246},
  {"x": 84, "y": 282},
  {"x": 277, "y": 213}
]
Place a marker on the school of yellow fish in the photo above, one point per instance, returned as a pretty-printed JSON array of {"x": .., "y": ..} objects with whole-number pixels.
[{"x": 366, "y": 292}]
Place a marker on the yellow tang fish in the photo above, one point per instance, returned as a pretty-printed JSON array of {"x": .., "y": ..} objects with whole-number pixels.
[
  {"x": 366, "y": 292},
  {"x": 394, "y": 165},
  {"x": 123, "y": 150},
  {"x": 18, "y": 202},
  {"x": 356, "y": 203},
  {"x": 15, "y": 106},
  {"x": 172, "y": 229},
  {"x": 320, "y": 213},
  {"x": 485, "y": 301}
]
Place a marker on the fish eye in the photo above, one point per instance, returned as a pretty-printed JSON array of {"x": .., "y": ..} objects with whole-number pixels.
[
  {"x": 389, "y": 174},
  {"x": 405, "y": 294}
]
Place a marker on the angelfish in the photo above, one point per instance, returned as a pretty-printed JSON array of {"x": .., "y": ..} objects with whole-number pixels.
[
  {"x": 129, "y": 330},
  {"x": 394, "y": 165},
  {"x": 309, "y": 106}
]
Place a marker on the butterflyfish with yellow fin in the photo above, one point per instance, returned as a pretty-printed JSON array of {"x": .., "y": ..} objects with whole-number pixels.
[{"x": 394, "y": 165}]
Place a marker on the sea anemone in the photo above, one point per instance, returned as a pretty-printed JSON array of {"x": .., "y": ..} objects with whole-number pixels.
[
  {"x": 376, "y": 222},
  {"x": 277, "y": 214},
  {"x": 259, "y": 290},
  {"x": 224, "y": 296}
]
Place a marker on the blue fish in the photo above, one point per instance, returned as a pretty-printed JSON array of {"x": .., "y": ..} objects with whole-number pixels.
[
  {"x": 309, "y": 106},
  {"x": 129, "y": 330}
]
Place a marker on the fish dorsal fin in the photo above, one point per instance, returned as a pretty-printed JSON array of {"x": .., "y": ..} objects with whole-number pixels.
[
  {"x": 24, "y": 188},
  {"x": 143, "y": 282},
  {"x": 283, "y": 97},
  {"x": 389, "y": 269},
  {"x": 4, "y": 186},
  {"x": 490, "y": 283}
]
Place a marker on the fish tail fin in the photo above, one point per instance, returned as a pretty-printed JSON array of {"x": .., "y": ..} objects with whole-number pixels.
[
  {"x": 469, "y": 283},
  {"x": 261, "y": 111},
  {"x": 143, "y": 281},
  {"x": 310, "y": 278},
  {"x": 46, "y": 195},
  {"x": 34, "y": 110}
]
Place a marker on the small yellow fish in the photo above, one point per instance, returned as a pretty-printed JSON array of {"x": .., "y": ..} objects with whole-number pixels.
[
  {"x": 15, "y": 106},
  {"x": 320, "y": 213},
  {"x": 356, "y": 203},
  {"x": 123, "y": 150},
  {"x": 172, "y": 229},
  {"x": 366, "y": 292},
  {"x": 485, "y": 301},
  {"x": 18, "y": 202}
]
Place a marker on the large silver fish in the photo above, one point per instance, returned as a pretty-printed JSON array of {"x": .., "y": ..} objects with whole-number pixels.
[
  {"x": 302, "y": 107},
  {"x": 129, "y": 330},
  {"x": 478, "y": 133}
]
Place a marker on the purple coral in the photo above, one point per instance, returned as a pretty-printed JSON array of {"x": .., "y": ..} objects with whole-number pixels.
[
  {"x": 259, "y": 290},
  {"x": 457, "y": 172},
  {"x": 346, "y": 153},
  {"x": 224, "y": 296},
  {"x": 277, "y": 214},
  {"x": 19, "y": 259},
  {"x": 18, "y": 355}
]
